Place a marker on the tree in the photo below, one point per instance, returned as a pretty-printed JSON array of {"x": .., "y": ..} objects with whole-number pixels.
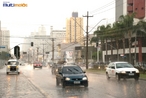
[{"x": 128, "y": 22}]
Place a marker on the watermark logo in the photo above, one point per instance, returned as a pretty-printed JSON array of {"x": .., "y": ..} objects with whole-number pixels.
[{"x": 9, "y": 4}]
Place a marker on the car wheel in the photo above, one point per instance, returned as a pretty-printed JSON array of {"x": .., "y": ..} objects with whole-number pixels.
[
  {"x": 63, "y": 84},
  {"x": 57, "y": 82},
  {"x": 136, "y": 78},
  {"x": 118, "y": 77},
  {"x": 107, "y": 76}
]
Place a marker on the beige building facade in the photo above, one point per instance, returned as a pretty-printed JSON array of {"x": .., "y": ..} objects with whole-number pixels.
[{"x": 74, "y": 29}]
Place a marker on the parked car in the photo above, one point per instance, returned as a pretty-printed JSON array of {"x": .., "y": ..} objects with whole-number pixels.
[
  {"x": 123, "y": 70},
  {"x": 12, "y": 66},
  {"x": 37, "y": 64},
  {"x": 69, "y": 75},
  {"x": 141, "y": 66}
]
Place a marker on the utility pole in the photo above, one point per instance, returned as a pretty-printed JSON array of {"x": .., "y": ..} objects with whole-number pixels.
[
  {"x": 53, "y": 49},
  {"x": 87, "y": 39},
  {"x": 37, "y": 53},
  {"x": 43, "y": 53}
]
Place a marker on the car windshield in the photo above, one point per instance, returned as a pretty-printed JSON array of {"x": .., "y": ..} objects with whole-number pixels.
[
  {"x": 72, "y": 70},
  {"x": 13, "y": 63},
  {"x": 124, "y": 65},
  {"x": 37, "y": 62}
]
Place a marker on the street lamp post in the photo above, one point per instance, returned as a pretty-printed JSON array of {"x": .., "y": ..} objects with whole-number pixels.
[{"x": 87, "y": 32}]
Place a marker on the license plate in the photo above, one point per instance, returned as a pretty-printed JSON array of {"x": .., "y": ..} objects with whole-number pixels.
[
  {"x": 131, "y": 74},
  {"x": 76, "y": 82}
]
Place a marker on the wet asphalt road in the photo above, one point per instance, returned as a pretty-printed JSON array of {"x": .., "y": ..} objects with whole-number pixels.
[{"x": 40, "y": 83}]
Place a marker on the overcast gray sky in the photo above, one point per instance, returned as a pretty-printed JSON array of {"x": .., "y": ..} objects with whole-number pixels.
[{"x": 23, "y": 20}]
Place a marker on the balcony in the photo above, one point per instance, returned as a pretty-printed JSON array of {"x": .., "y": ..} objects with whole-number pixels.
[
  {"x": 130, "y": 8},
  {"x": 129, "y": 2}
]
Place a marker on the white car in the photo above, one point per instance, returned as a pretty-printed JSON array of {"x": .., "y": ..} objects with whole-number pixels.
[
  {"x": 12, "y": 66},
  {"x": 123, "y": 70}
]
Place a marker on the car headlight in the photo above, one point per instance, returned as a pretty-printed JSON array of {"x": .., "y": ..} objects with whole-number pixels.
[
  {"x": 8, "y": 66},
  {"x": 137, "y": 71},
  {"x": 67, "y": 79},
  {"x": 123, "y": 72},
  {"x": 84, "y": 78},
  {"x": 56, "y": 70},
  {"x": 17, "y": 66}
]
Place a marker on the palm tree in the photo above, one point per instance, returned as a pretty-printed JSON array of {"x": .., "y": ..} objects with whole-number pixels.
[
  {"x": 122, "y": 32},
  {"x": 117, "y": 36},
  {"x": 102, "y": 34},
  {"x": 97, "y": 33},
  {"x": 128, "y": 21},
  {"x": 140, "y": 31}
]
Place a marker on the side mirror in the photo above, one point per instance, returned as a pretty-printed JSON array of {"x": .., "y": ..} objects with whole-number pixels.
[
  {"x": 84, "y": 71},
  {"x": 113, "y": 67},
  {"x": 60, "y": 72}
]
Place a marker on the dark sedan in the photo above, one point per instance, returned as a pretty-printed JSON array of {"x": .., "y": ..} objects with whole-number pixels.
[{"x": 69, "y": 75}]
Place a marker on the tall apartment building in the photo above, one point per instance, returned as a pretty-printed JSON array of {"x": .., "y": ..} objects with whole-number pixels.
[
  {"x": 41, "y": 30},
  {"x": 74, "y": 29},
  {"x": 138, "y": 51},
  {"x": 5, "y": 38},
  {"x": 59, "y": 38},
  {"x": 124, "y": 7}
]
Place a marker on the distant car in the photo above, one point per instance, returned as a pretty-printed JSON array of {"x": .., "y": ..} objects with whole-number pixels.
[
  {"x": 69, "y": 75},
  {"x": 37, "y": 64},
  {"x": 12, "y": 66},
  {"x": 123, "y": 70}
]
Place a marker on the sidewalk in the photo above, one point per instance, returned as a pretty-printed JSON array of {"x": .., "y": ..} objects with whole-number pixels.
[
  {"x": 1, "y": 66},
  {"x": 17, "y": 86}
]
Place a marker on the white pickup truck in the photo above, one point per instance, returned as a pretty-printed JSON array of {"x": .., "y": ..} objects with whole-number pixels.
[{"x": 12, "y": 66}]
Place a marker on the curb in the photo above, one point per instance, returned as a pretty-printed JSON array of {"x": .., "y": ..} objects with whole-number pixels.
[{"x": 104, "y": 74}]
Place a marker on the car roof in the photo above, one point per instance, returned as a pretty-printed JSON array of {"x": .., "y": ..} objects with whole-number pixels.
[
  {"x": 119, "y": 62},
  {"x": 12, "y": 60},
  {"x": 70, "y": 65}
]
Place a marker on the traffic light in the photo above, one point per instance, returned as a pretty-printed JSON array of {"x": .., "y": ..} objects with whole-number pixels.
[
  {"x": 17, "y": 52},
  {"x": 31, "y": 43}
]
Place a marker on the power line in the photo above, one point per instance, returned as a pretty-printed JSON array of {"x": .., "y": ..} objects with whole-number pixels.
[
  {"x": 103, "y": 7},
  {"x": 108, "y": 9}
]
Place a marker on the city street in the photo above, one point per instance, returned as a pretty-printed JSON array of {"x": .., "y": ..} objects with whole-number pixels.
[{"x": 40, "y": 83}]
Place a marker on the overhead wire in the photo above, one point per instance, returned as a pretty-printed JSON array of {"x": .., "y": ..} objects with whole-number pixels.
[
  {"x": 109, "y": 9},
  {"x": 102, "y": 7}
]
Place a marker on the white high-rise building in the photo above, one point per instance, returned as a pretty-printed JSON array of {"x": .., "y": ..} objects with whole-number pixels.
[
  {"x": 5, "y": 37},
  {"x": 41, "y": 30}
]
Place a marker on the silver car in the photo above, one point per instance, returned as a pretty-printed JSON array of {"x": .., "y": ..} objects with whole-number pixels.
[{"x": 12, "y": 66}]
